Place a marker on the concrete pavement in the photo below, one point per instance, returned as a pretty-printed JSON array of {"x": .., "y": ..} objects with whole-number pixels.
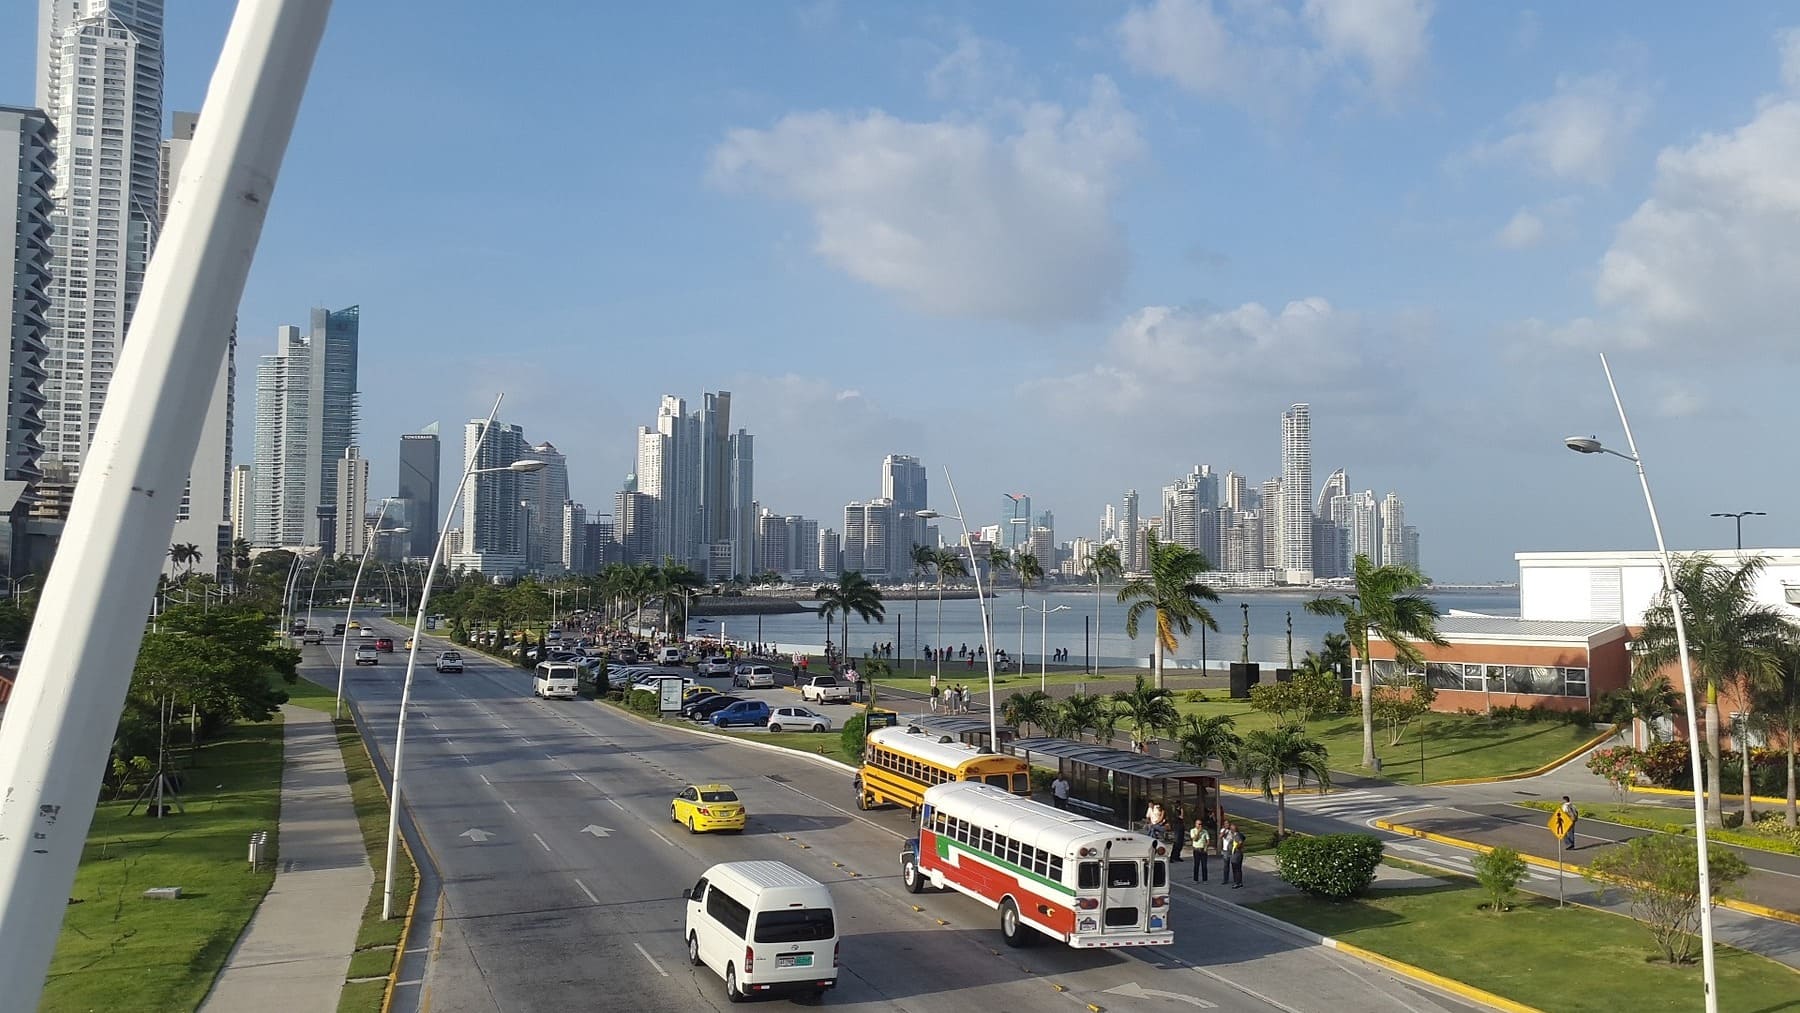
[{"x": 296, "y": 951}]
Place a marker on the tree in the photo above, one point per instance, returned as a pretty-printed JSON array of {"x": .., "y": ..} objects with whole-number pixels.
[
  {"x": 1312, "y": 689},
  {"x": 1384, "y": 603},
  {"x": 1660, "y": 876},
  {"x": 1732, "y": 640},
  {"x": 675, "y": 585},
  {"x": 1029, "y": 572},
  {"x": 1173, "y": 593},
  {"x": 1102, "y": 564},
  {"x": 1201, "y": 739},
  {"x": 1336, "y": 653},
  {"x": 1075, "y": 714},
  {"x": 185, "y": 555},
  {"x": 1035, "y": 708},
  {"x": 1646, "y": 698},
  {"x": 851, "y": 593},
  {"x": 1778, "y": 709},
  {"x": 1401, "y": 701},
  {"x": 1269, "y": 755},
  {"x": 1499, "y": 872},
  {"x": 1146, "y": 710},
  {"x": 924, "y": 560}
]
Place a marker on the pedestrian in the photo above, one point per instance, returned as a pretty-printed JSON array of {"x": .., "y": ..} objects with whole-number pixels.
[
  {"x": 1237, "y": 857},
  {"x": 1201, "y": 838},
  {"x": 934, "y": 698},
  {"x": 1059, "y": 791},
  {"x": 1574, "y": 814},
  {"x": 971, "y": 665},
  {"x": 1154, "y": 820},
  {"x": 1178, "y": 826}
]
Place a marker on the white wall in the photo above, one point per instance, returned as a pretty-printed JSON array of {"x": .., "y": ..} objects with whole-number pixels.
[{"x": 1575, "y": 585}]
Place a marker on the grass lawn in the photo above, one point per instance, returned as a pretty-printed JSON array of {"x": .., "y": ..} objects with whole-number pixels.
[
  {"x": 1680, "y": 820},
  {"x": 1456, "y": 745},
  {"x": 119, "y": 951},
  {"x": 363, "y": 997},
  {"x": 310, "y": 695},
  {"x": 372, "y": 814},
  {"x": 829, "y": 744},
  {"x": 1574, "y": 959}
]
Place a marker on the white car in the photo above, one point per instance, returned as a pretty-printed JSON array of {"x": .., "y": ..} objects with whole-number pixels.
[
  {"x": 367, "y": 655},
  {"x": 449, "y": 661},
  {"x": 798, "y": 719},
  {"x": 754, "y": 677},
  {"x": 653, "y": 680},
  {"x": 716, "y": 665}
]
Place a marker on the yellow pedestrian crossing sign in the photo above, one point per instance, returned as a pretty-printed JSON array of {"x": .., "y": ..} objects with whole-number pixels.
[{"x": 1560, "y": 822}]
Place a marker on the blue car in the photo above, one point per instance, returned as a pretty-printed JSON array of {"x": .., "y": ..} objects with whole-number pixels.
[{"x": 744, "y": 712}]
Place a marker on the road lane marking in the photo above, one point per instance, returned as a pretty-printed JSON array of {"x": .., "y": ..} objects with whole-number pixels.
[
  {"x": 660, "y": 837},
  {"x": 652, "y": 960},
  {"x": 616, "y": 805},
  {"x": 541, "y": 843},
  {"x": 839, "y": 809},
  {"x": 1247, "y": 990},
  {"x": 485, "y": 781},
  {"x": 509, "y": 807},
  {"x": 590, "y": 893},
  {"x": 578, "y": 777},
  {"x": 464, "y": 757}
]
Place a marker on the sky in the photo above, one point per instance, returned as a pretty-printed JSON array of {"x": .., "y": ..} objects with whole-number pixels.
[{"x": 1066, "y": 248}]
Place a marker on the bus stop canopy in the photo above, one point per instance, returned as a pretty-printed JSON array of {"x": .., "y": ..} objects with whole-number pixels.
[{"x": 1117, "y": 784}]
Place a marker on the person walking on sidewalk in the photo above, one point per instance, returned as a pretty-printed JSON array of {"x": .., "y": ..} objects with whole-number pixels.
[
  {"x": 1059, "y": 791},
  {"x": 1178, "y": 824},
  {"x": 1569, "y": 810},
  {"x": 1201, "y": 839}
]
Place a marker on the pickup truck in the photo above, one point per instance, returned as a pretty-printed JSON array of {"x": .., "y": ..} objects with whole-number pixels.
[{"x": 826, "y": 689}]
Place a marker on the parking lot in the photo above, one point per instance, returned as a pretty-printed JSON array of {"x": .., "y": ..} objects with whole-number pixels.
[{"x": 780, "y": 696}]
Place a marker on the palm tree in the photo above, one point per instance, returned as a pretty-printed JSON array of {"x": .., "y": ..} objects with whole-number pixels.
[
  {"x": 1200, "y": 739},
  {"x": 1778, "y": 710},
  {"x": 1732, "y": 640},
  {"x": 185, "y": 555},
  {"x": 1147, "y": 709},
  {"x": 1029, "y": 571},
  {"x": 1102, "y": 564},
  {"x": 851, "y": 593},
  {"x": 1384, "y": 604},
  {"x": 1269, "y": 755},
  {"x": 944, "y": 563},
  {"x": 1647, "y": 696},
  {"x": 1035, "y": 708},
  {"x": 924, "y": 558},
  {"x": 1173, "y": 592},
  {"x": 674, "y": 586},
  {"x": 1076, "y": 714},
  {"x": 1337, "y": 653}
]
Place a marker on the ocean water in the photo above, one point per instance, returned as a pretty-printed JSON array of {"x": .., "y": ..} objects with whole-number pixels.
[{"x": 1269, "y": 614}]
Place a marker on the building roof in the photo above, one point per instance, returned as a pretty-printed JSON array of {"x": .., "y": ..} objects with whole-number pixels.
[
  {"x": 1121, "y": 761},
  {"x": 1513, "y": 629}
]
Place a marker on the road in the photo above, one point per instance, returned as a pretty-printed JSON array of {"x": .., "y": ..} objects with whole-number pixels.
[{"x": 562, "y": 876}]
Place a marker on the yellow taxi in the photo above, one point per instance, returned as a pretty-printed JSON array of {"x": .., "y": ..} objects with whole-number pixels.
[
  {"x": 409, "y": 642},
  {"x": 703, "y": 807},
  {"x": 692, "y": 693}
]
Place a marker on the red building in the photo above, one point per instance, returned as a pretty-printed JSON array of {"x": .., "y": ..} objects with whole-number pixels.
[{"x": 1502, "y": 661}]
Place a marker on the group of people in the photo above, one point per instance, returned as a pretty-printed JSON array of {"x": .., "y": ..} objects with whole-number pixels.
[
  {"x": 954, "y": 700},
  {"x": 1204, "y": 835}
]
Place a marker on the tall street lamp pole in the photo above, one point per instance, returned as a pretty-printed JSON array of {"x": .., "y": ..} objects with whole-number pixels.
[
  {"x": 987, "y": 629},
  {"x": 412, "y": 654},
  {"x": 1591, "y": 445},
  {"x": 337, "y": 710},
  {"x": 1739, "y": 518},
  {"x": 1043, "y": 640}
]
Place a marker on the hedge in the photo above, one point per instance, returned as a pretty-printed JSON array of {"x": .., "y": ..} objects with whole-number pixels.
[{"x": 1337, "y": 866}]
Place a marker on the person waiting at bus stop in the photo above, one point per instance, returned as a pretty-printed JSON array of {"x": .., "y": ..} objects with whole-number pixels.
[
  {"x": 1201, "y": 838},
  {"x": 1178, "y": 831}
]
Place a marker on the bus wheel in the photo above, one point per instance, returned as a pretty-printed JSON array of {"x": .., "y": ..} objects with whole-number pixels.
[
  {"x": 911, "y": 876},
  {"x": 1012, "y": 929},
  {"x": 862, "y": 800}
]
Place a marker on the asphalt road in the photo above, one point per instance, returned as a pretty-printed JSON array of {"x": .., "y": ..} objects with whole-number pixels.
[{"x": 562, "y": 876}]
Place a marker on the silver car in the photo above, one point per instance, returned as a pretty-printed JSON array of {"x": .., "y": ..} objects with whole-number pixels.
[{"x": 754, "y": 677}]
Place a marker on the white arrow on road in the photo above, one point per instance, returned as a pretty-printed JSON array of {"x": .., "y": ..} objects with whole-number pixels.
[
  {"x": 476, "y": 834},
  {"x": 597, "y": 831},
  {"x": 1133, "y": 990}
]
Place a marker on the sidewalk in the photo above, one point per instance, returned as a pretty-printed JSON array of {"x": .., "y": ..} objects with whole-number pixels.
[{"x": 296, "y": 951}]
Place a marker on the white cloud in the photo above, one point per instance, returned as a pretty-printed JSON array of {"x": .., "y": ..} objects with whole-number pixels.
[
  {"x": 976, "y": 70},
  {"x": 1576, "y": 133},
  {"x": 957, "y": 217},
  {"x": 1679, "y": 402},
  {"x": 1522, "y": 232},
  {"x": 1789, "y": 41},
  {"x": 1264, "y": 55}
]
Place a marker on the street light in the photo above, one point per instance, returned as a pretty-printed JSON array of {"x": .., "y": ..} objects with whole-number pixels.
[
  {"x": 1016, "y": 547},
  {"x": 987, "y": 632},
  {"x": 1043, "y": 639},
  {"x": 337, "y": 710},
  {"x": 1739, "y": 518},
  {"x": 412, "y": 655},
  {"x": 1592, "y": 445}
]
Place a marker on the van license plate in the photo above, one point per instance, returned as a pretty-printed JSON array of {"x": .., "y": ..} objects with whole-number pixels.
[{"x": 793, "y": 960}]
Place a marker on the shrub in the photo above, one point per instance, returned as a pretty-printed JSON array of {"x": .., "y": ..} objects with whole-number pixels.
[
  {"x": 1500, "y": 872},
  {"x": 643, "y": 701},
  {"x": 1618, "y": 765},
  {"x": 1659, "y": 875},
  {"x": 1194, "y": 696},
  {"x": 1337, "y": 866},
  {"x": 1665, "y": 765},
  {"x": 853, "y": 737}
]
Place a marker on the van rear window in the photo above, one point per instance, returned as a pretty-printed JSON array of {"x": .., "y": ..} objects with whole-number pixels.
[{"x": 795, "y": 925}]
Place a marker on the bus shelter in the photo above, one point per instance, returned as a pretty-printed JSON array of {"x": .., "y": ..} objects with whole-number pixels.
[
  {"x": 971, "y": 731},
  {"x": 1116, "y": 785}
]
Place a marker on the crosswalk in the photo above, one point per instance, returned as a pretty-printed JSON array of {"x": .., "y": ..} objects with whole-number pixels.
[
  {"x": 1461, "y": 861},
  {"x": 1357, "y": 806}
]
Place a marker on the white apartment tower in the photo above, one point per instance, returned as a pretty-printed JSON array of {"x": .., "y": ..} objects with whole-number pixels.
[
  {"x": 306, "y": 417},
  {"x": 1393, "y": 530},
  {"x": 574, "y": 537},
  {"x": 1296, "y": 495},
  {"x": 352, "y": 503},
  {"x": 1128, "y": 534},
  {"x": 493, "y": 517},
  {"x": 100, "y": 81},
  {"x": 27, "y": 167}
]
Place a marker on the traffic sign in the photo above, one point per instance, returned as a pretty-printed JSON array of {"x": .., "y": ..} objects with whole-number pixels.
[{"x": 1560, "y": 822}]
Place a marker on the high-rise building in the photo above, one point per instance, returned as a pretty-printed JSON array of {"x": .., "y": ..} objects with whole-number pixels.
[
  {"x": 1296, "y": 495},
  {"x": 1409, "y": 547},
  {"x": 100, "y": 81},
  {"x": 1393, "y": 530},
  {"x": 655, "y": 477},
  {"x": 634, "y": 526},
  {"x": 597, "y": 548},
  {"x": 1042, "y": 545},
  {"x": 493, "y": 515},
  {"x": 743, "y": 504},
  {"x": 1109, "y": 524},
  {"x": 855, "y": 539},
  {"x": 1236, "y": 492},
  {"x": 1015, "y": 519},
  {"x": 831, "y": 559},
  {"x": 772, "y": 543},
  {"x": 803, "y": 545},
  {"x": 1269, "y": 495},
  {"x": 27, "y": 161},
  {"x": 1128, "y": 533},
  {"x": 203, "y": 518},
  {"x": 1335, "y": 485},
  {"x": 306, "y": 416},
  {"x": 352, "y": 502},
  {"x": 546, "y": 489},
  {"x": 421, "y": 455},
  {"x": 1365, "y": 527},
  {"x": 880, "y": 532},
  {"x": 573, "y": 555},
  {"x": 243, "y": 493},
  {"x": 716, "y": 503},
  {"x": 679, "y": 515},
  {"x": 904, "y": 483}
]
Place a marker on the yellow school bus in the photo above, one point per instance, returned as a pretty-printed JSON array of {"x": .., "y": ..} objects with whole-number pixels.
[{"x": 900, "y": 763}]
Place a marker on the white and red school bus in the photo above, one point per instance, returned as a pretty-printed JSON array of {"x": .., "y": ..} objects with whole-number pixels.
[{"x": 1048, "y": 872}]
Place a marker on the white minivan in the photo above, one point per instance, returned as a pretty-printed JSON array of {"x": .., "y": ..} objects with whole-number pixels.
[
  {"x": 671, "y": 656},
  {"x": 765, "y": 927},
  {"x": 554, "y": 679}
]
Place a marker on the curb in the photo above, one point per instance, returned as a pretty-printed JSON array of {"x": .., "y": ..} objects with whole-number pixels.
[
  {"x": 1767, "y": 800},
  {"x": 1537, "y": 772},
  {"x": 716, "y": 736},
  {"x": 1743, "y": 906}
]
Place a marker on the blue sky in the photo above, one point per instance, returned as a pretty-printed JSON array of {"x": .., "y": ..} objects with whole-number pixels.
[{"x": 1067, "y": 248}]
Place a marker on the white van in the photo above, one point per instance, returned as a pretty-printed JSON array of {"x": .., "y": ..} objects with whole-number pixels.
[
  {"x": 555, "y": 679},
  {"x": 765, "y": 927},
  {"x": 671, "y": 656}
]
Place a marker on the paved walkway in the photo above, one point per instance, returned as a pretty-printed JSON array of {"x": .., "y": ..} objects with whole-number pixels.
[{"x": 297, "y": 949}]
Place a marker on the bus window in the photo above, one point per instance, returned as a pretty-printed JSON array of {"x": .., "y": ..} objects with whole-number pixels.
[
  {"x": 997, "y": 780},
  {"x": 1121, "y": 874},
  {"x": 1159, "y": 874},
  {"x": 1021, "y": 784},
  {"x": 1090, "y": 876}
]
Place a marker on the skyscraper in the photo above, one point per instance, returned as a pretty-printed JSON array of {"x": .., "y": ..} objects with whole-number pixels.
[
  {"x": 574, "y": 537},
  {"x": 1270, "y": 512},
  {"x": 27, "y": 159},
  {"x": 1015, "y": 519},
  {"x": 880, "y": 532},
  {"x": 203, "y": 518},
  {"x": 352, "y": 502},
  {"x": 1393, "y": 530},
  {"x": 243, "y": 493},
  {"x": 656, "y": 481},
  {"x": 1335, "y": 485},
  {"x": 1296, "y": 495},
  {"x": 100, "y": 64},
  {"x": 855, "y": 538},
  {"x": 903, "y": 482},
  {"x": 420, "y": 458},
  {"x": 546, "y": 490},
  {"x": 831, "y": 561},
  {"x": 772, "y": 543},
  {"x": 1236, "y": 492},
  {"x": 1365, "y": 527},
  {"x": 803, "y": 545},
  {"x": 306, "y": 416},
  {"x": 743, "y": 504},
  {"x": 1128, "y": 536},
  {"x": 634, "y": 526},
  {"x": 493, "y": 521},
  {"x": 716, "y": 504}
]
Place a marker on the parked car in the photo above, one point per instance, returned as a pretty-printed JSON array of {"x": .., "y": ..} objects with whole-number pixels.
[
  {"x": 367, "y": 655},
  {"x": 385, "y": 644},
  {"x": 704, "y": 708},
  {"x": 754, "y": 677},
  {"x": 798, "y": 719},
  {"x": 449, "y": 661},
  {"x": 745, "y": 712},
  {"x": 718, "y": 664},
  {"x": 826, "y": 689}
]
